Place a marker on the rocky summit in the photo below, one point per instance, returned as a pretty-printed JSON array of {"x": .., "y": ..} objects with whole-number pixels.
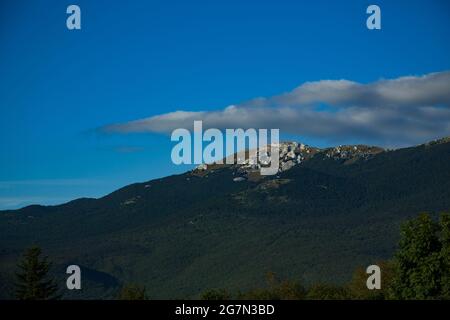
[{"x": 291, "y": 154}]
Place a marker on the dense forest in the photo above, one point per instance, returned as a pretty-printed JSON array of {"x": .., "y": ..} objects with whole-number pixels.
[
  {"x": 192, "y": 236},
  {"x": 420, "y": 269}
]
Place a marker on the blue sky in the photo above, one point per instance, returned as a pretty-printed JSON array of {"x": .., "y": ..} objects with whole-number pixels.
[{"x": 137, "y": 59}]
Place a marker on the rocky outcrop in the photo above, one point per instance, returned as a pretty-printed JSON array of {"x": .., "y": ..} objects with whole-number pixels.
[{"x": 291, "y": 154}]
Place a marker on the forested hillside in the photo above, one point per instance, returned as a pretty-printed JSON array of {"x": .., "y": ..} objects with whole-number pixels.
[{"x": 183, "y": 234}]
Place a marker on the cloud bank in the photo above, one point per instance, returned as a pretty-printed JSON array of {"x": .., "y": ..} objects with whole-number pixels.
[{"x": 395, "y": 112}]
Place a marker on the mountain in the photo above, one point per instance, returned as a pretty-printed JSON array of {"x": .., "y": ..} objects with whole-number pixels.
[{"x": 224, "y": 226}]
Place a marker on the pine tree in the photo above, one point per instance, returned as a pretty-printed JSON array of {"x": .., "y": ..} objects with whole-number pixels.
[{"x": 33, "y": 282}]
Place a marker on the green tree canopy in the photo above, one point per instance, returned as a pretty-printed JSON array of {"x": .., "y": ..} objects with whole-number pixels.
[
  {"x": 445, "y": 254},
  {"x": 421, "y": 264},
  {"x": 357, "y": 287},
  {"x": 323, "y": 291}
]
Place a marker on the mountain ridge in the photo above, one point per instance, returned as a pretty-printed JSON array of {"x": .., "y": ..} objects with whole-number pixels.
[
  {"x": 186, "y": 233},
  {"x": 330, "y": 152}
]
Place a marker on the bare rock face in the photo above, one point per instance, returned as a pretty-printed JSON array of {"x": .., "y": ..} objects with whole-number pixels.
[
  {"x": 202, "y": 167},
  {"x": 291, "y": 154},
  {"x": 287, "y": 165},
  {"x": 349, "y": 152}
]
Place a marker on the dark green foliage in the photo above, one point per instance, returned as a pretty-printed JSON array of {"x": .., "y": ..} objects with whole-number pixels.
[
  {"x": 182, "y": 234},
  {"x": 33, "y": 281},
  {"x": 323, "y": 291},
  {"x": 275, "y": 289},
  {"x": 445, "y": 253},
  {"x": 215, "y": 294},
  {"x": 132, "y": 292},
  {"x": 419, "y": 270},
  {"x": 421, "y": 266},
  {"x": 357, "y": 287}
]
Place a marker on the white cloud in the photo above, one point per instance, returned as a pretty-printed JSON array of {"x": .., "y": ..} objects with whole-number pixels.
[{"x": 401, "y": 111}]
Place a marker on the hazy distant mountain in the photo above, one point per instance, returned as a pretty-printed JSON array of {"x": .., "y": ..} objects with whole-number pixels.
[{"x": 326, "y": 212}]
